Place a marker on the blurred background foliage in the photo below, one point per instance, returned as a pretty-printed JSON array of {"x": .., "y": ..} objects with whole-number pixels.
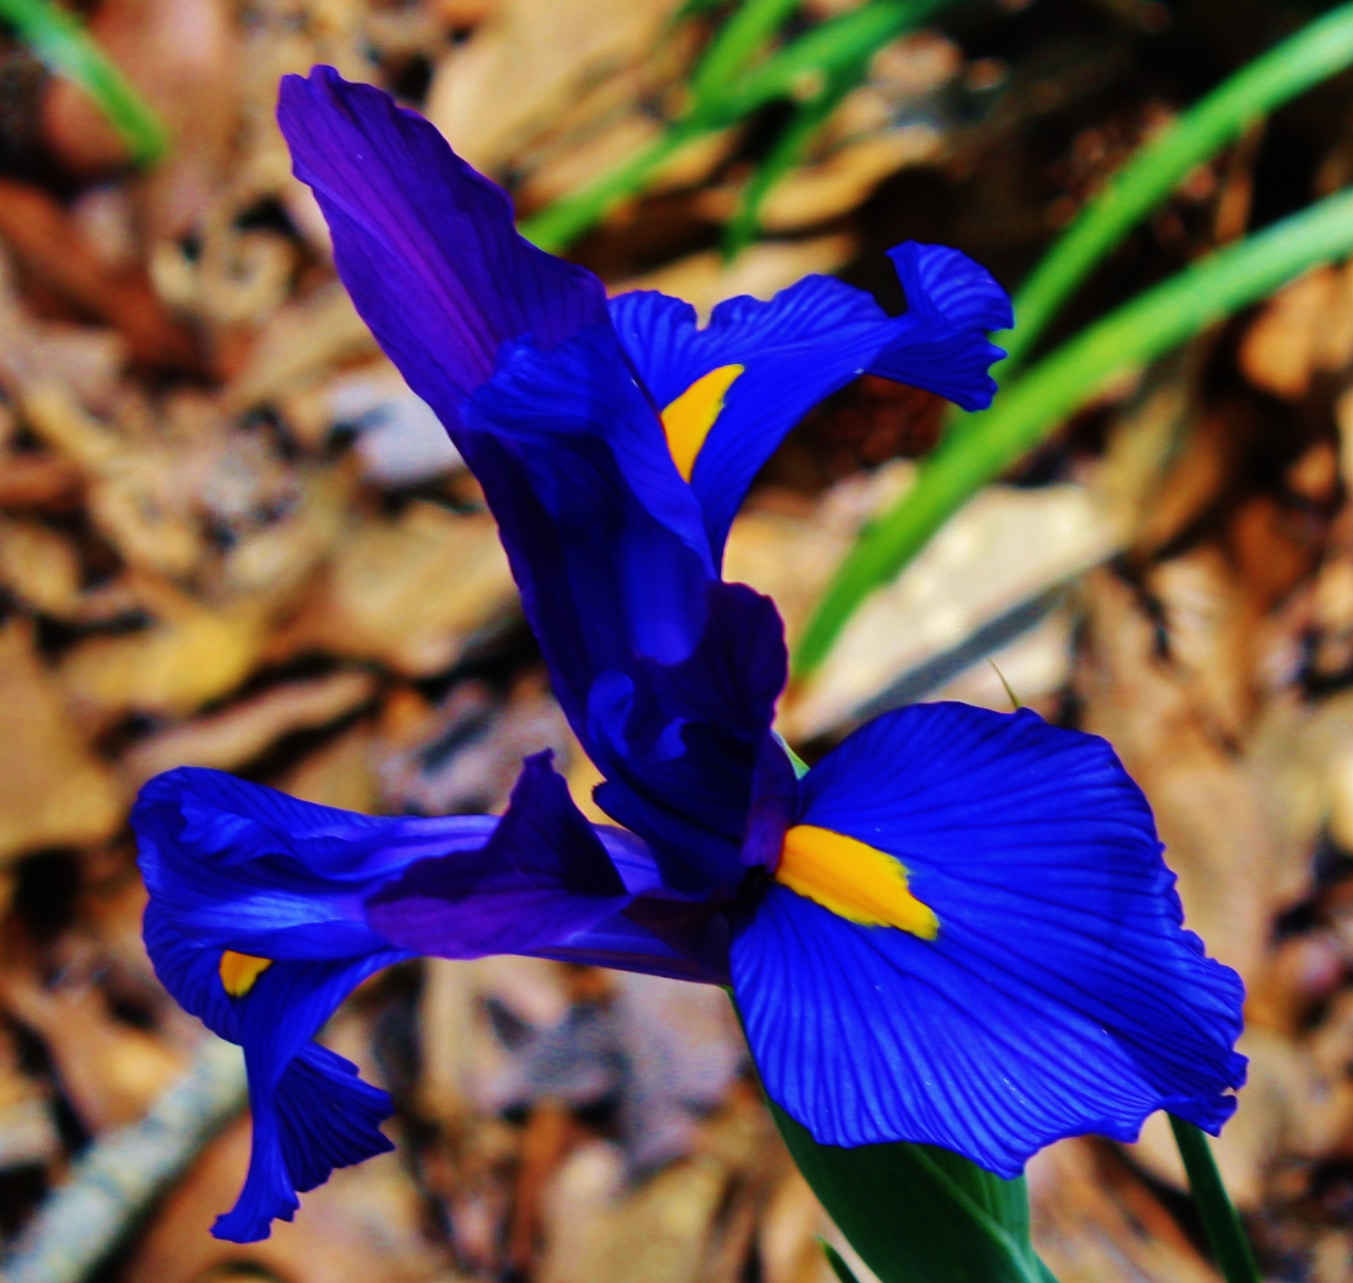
[{"x": 229, "y": 536}]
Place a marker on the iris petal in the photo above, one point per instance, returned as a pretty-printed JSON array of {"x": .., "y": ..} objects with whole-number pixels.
[
  {"x": 606, "y": 543},
  {"x": 807, "y": 342},
  {"x": 426, "y": 246},
  {"x": 238, "y": 868},
  {"x": 293, "y": 1084},
  {"x": 1062, "y": 994},
  {"x": 684, "y": 747},
  {"x": 544, "y": 876}
]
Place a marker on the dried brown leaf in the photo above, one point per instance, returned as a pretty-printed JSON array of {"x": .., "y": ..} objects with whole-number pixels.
[{"x": 53, "y": 791}]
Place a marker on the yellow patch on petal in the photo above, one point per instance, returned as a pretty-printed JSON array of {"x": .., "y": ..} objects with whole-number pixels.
[
  {"x": 853, "y": 880},
  {"x": 688, "y": 419},
  {"x": 239, "y": 971}
]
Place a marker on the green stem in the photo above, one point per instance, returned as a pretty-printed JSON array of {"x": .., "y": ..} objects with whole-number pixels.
[
  {"x": 1141, "y": 330},
  {"x": 1225, "y": 1233},
  {"x": 842, "y": 1271},
  {"x": 1313, "y": 54},
  {"x": 62, "y": 42}
]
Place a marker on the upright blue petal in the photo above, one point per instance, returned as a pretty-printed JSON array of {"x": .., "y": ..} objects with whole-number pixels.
[
  {"x": 806, "y": 343},
  {"x": 426, "y": 246},
  {"x": 684, "y": 746},
  {"x": 1062, "y": 994},
  {"x": 606, "y": 542}
]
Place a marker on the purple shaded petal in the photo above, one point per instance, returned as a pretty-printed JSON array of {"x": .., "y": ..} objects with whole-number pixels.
[
  {"x": 240, "y": 866},
  {"x": 655, "y": 936},
  {"x": 426, "y": 246},
  {"x": 1062, "y": 994},
  {"x": 544, "y": 876},
  {"x": 680, "y": 744}
]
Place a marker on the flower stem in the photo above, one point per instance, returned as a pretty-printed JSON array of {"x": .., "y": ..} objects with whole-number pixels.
[{"x": 1225, "y": 1233}]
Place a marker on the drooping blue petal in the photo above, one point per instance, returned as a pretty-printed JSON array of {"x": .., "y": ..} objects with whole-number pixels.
[
  {"x": 236, "y": 867},
  {"x": 310, "y": 1111},
  {"x": 940, "y": 342},
  {"x": 426, "y": 246},
  {"x": 682, "y": 746},
  {"x": 806, "y": 343},
  {"x": 1062, "y": 994}
]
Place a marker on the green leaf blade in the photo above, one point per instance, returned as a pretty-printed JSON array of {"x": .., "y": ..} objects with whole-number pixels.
[
  {"x": 985, "y": 444},
  {"x": 61, "y": 41},
  {"x": 1316, "y": 52},
  {"x": 918, "y": 1214}
]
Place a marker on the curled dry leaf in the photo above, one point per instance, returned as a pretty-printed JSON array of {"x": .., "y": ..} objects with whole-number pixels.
[
  {"x": 40, "y": 566},
  {"x": 1006, "y": 548},
  {"x": 109, "y": 1070},
  {"x": 1208, "y": 800},
  {"x": 837, "y": 184},
  {"x": 1305, "y": 328},
  {"x": 528, "y": 61},
  {"x": 46, "y": 242}
]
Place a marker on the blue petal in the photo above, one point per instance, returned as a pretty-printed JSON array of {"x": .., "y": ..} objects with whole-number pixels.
[
  {"x": 426, "y": 246},
  {"x": 606, "y": 542},
  {"x": 1062, "y": 995},
  {"x": 235, "y": 866},
  {"x": 807, "y": 342},
  {"x": 292, "y": 1083},
  {"x": 542, "y": 878},
  {"x": 944, "y": 284},
  {"x": 243, "y": 867},
  {"x": 680, "y": 744},
  {"x": 940, "y": 344}
]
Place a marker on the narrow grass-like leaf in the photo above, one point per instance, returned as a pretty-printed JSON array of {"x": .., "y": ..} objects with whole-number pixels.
[
  {"x": 1316, "y": 52},
  {"x": 842, "y": 1271},
  {"x": 785, "y": 154},
  {"x": 740, "y": 39},
  {"x": 61, "y": 41},
  {"x": 804, "y": 67},
  {"x": 1026, "y": 413},
  {"x": 1225, "y": 1233}
]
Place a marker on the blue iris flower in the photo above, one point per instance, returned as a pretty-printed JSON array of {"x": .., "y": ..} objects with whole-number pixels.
[{"x": 956, "y": 929}]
